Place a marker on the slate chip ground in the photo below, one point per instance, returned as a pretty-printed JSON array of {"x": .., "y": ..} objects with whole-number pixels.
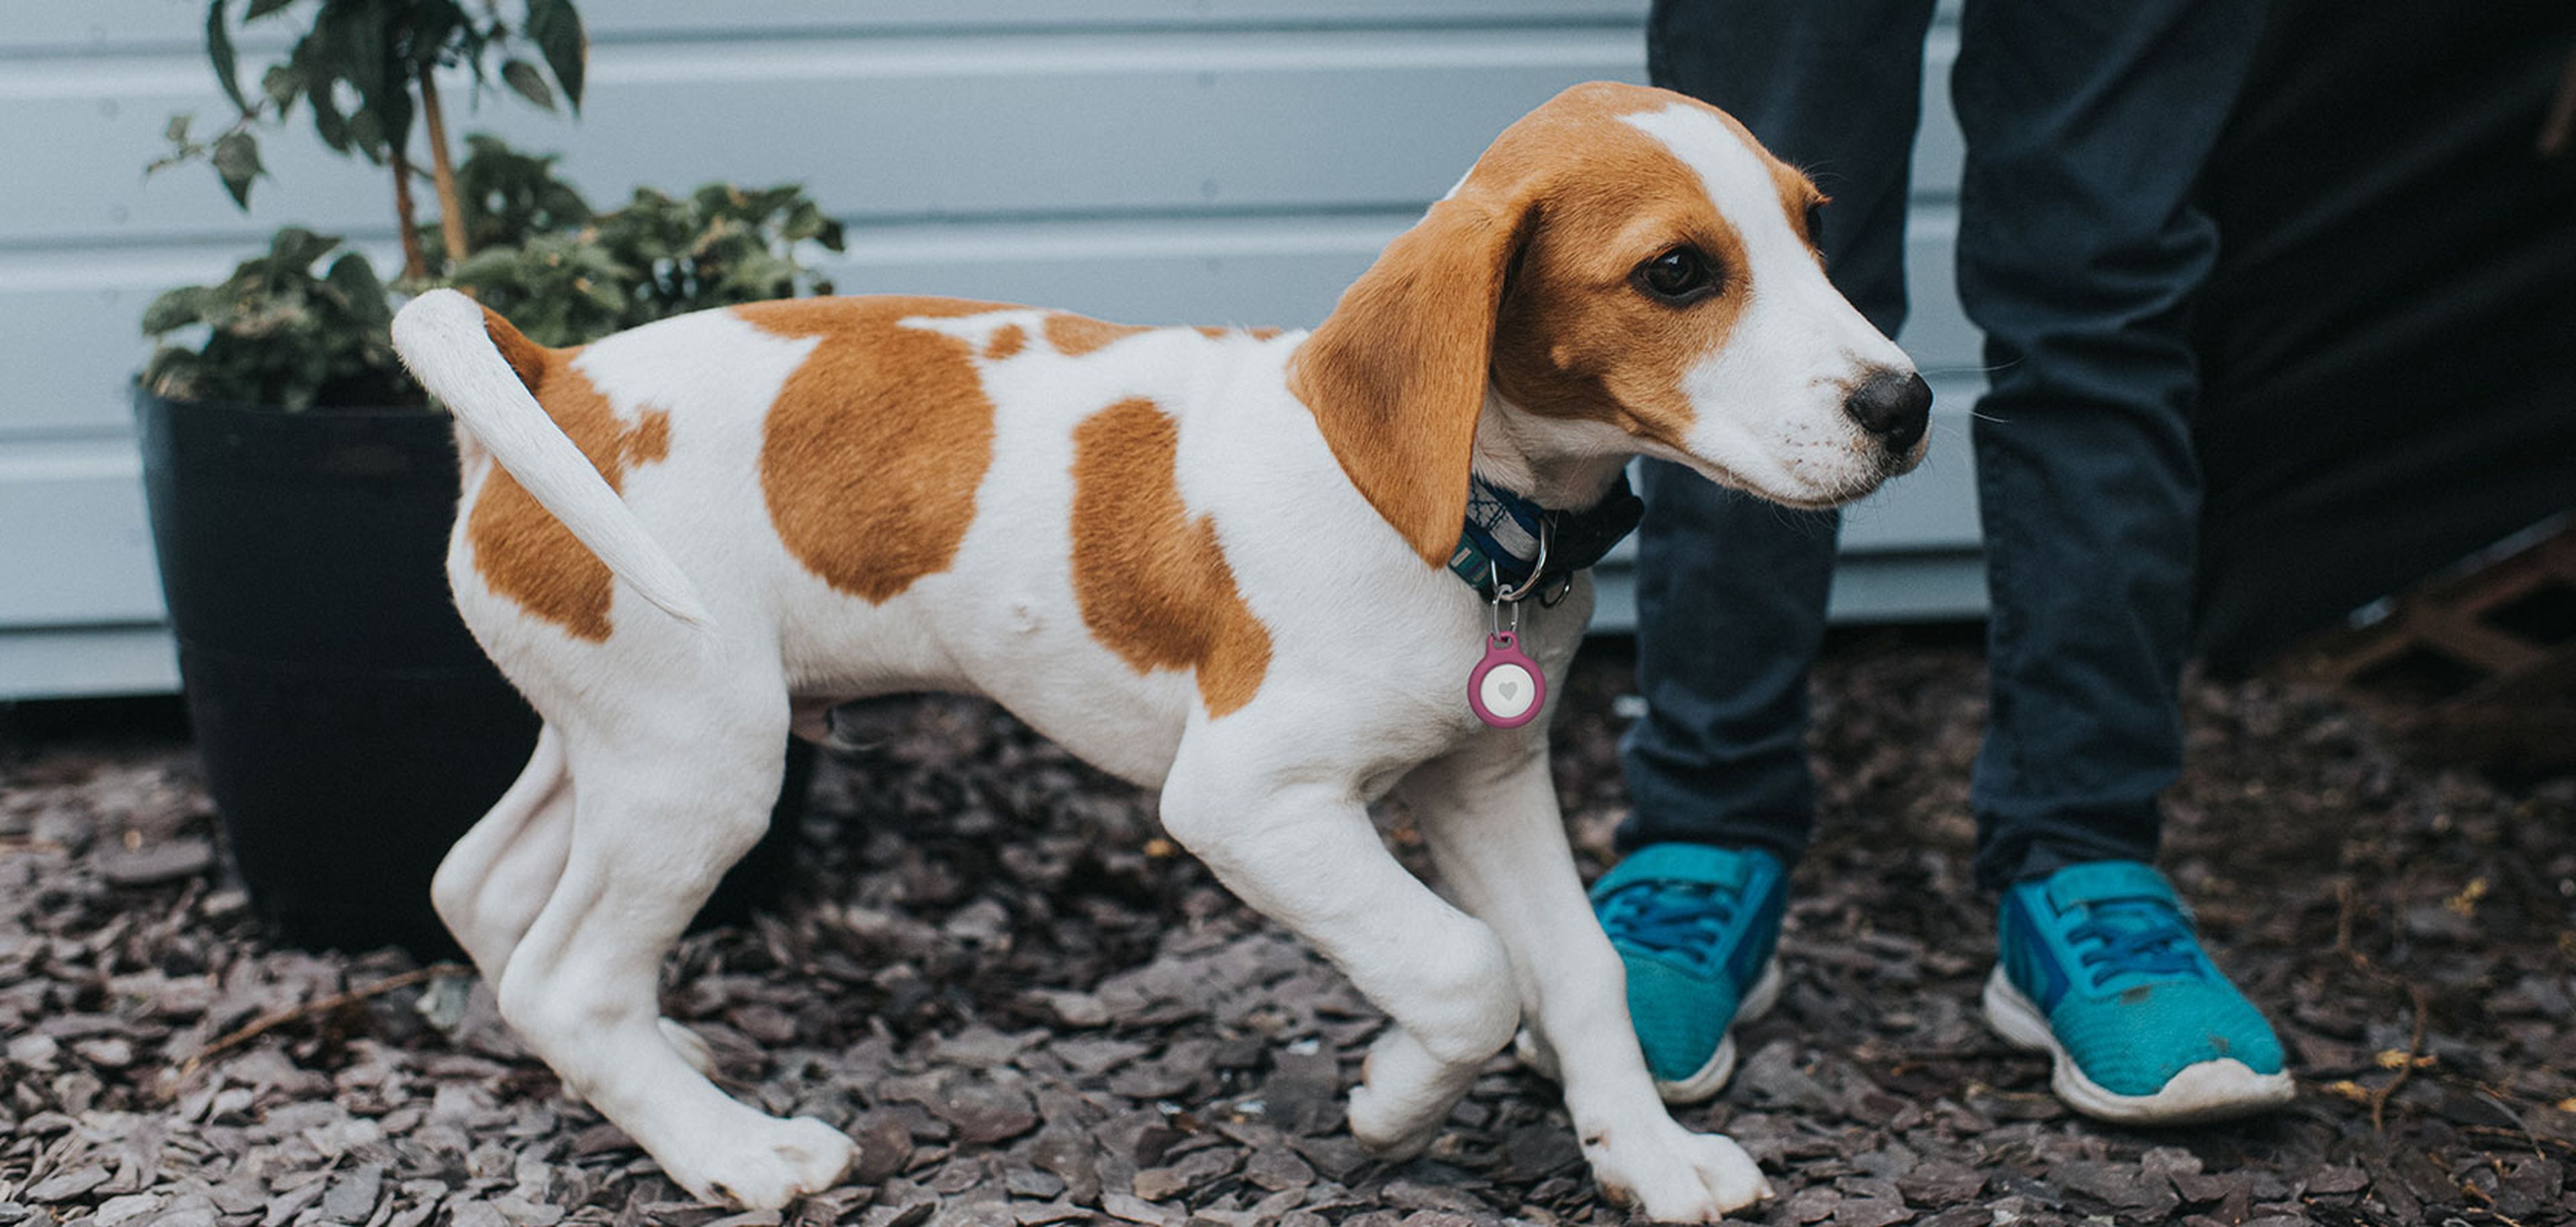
[{"x": 1030, "y": 1009}]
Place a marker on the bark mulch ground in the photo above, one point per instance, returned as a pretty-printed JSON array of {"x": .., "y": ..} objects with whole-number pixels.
[{"x": 1030, "y": 1009}]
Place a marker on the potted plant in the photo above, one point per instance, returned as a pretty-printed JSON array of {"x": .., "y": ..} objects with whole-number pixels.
[{"x": 301, "y": 487}]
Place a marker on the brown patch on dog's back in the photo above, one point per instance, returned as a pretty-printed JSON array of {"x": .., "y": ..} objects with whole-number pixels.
[
  {"x": 520, "y": 549},
  {"x": 1005, "y": 342},
  {"x": 872, "y": 453},
  {"x": 1153, "y": 585},
  {"x": 1074, "y": 335}
]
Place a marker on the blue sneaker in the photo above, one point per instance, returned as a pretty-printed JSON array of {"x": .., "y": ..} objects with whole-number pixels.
[
  {"x": 1696, "y": 927},
  {"x": 2101, "y": 970}
]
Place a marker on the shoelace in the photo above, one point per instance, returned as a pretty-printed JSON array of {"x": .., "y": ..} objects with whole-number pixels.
[
  {"x": 1682, "y": 920},
  {"x": 2136, "y": 937}
]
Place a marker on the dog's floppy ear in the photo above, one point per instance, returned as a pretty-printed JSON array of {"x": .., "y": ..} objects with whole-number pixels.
[{"x": 1396, "y": 375}]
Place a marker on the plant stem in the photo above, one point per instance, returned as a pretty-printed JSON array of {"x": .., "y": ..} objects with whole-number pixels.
[
  {"x": 451, "y": 207},
  {"x": 415, "y": 265}
]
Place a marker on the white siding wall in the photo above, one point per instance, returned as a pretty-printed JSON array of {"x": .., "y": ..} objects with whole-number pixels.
[{"x": 1142, "y": 160}]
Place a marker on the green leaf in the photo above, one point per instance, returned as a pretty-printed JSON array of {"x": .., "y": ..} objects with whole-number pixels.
[
  {"x": 357, "y": 283},
  {"x": 294, "y": 248},
  {"x": 237, "y": 162},
  {"x": 488, "y": 265},
  {"x": 328, "y": 123},
  {"x": 219, "y": 48},
  {"x": 175, "y": 309},
  {"x": 435, "y": 32},
  {"x": 556, "y": 29},
  {"x": 523, "y": 77},
  {"x": 281, "y": 83},
  {"x": 367, "y": 134},
  {"x": 262, "y": 8},
  {"x": 177, "y": 132},
  {"x": 360, "y": 38}
]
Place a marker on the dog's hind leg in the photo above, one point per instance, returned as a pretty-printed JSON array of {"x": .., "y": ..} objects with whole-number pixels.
[
  {"x": 1489, "y": 815},
  {"x": 490, "y": 886},
  {"x": 663, "y": 808}
]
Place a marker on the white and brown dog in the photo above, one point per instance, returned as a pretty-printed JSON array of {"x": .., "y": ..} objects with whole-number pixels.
[{"x": 1211, "y": 561}]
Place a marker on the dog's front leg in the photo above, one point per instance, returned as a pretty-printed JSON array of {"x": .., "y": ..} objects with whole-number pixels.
[
  {"x": 1304, "y": 853},
  {"x": 1489, "y": 815}
]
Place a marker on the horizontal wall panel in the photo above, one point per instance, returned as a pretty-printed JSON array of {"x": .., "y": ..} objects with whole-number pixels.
[
  {"x": 71, "y": 333},
  {"x": 75, "y": 545},
  {"x": 1009, "y": 125},
  {"x": 126, "y": 25},
  {"x": 68, "y": 321},
  {"x": 1881, "y": 588},
  {"x": 84, "y": 661},
  {"x": 1868, "y": 589}
]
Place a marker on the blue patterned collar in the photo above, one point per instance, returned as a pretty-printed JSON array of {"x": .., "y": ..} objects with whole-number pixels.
[{"x": 1500, "y": 542}]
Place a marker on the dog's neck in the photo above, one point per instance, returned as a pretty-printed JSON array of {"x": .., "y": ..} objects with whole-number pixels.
[{"x": 1547, "y": 462}]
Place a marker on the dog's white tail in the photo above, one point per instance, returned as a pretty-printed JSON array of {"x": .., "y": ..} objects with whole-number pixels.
[{"x": 442, "y": 337}]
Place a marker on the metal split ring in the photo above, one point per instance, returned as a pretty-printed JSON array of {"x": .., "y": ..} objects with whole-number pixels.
[{"x": 1506, "y": 595}]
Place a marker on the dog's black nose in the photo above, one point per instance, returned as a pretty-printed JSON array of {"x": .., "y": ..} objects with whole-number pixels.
[{"x": 1894, "y": 406}]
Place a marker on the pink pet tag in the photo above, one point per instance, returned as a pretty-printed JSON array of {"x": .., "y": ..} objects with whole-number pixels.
[{"x": 1506, "y": 688}]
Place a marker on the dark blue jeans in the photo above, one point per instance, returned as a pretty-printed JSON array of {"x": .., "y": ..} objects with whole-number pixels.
[{"x": 2079, "y": 252}]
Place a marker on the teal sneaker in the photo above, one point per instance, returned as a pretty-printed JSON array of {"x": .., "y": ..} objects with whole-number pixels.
[
  {"x": 2101, "y": 970},
  {"x": 1696, "y": 927}
]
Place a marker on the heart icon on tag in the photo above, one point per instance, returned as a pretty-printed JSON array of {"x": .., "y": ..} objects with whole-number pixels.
[{"x": 1506, "y": 689}]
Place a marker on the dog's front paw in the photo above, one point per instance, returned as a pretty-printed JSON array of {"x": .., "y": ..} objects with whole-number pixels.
[
  {"x": 1669, "y": 1174},
  {"x": 762, "y": 1167},
  {"x": 1404, "y": 1096}
]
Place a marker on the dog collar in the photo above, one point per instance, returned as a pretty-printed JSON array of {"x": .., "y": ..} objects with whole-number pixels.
[{"x": 1500, "y": 542}]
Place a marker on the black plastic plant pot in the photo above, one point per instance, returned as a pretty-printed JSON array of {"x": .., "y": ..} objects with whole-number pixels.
[{"x": 351, "y": 728}]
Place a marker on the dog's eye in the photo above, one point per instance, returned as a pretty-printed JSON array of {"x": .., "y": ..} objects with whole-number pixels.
[
  {"x": 1816, "y": 224},
  {"x": 1679, "y": 277}
]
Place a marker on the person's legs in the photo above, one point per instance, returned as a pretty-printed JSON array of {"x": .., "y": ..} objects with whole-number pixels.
[
  {"x": 2079, "y": 252},
  {"x": 1730, "y": 589}
]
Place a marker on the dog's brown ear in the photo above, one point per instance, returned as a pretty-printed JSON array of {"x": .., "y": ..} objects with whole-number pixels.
[{"x": 1396, "y": 375}]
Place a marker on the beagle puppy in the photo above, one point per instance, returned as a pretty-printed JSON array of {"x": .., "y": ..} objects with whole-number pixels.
[{"x": 1215, "y": 562}]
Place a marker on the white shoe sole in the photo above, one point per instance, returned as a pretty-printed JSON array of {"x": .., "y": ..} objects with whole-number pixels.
[
  {"x": 1711, "y": 1078},
  {"x": 2206, "y": 1091}
]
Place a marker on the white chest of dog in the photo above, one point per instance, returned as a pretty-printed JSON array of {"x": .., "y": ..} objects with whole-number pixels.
[{"x": 1210, "y": 561}]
